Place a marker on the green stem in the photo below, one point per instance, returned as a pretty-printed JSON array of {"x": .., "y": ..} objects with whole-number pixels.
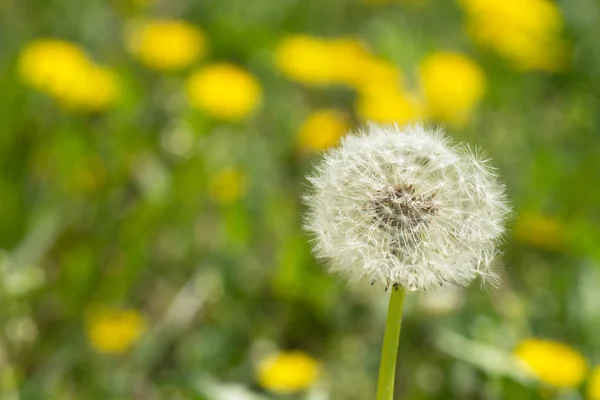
[{"x": 389, "y": 351}]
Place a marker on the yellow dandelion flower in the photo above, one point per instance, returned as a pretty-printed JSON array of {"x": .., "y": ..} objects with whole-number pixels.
[
  {"x": 387, "y": 104},
  {"x": 525, "y": 32},
  {"x": 305, "y": 59},
  {"x": 224, "y": 91},
  {"x": 105, "y": 88},
  {"x": 318, "y": 61},
  {"x": 288, "y": 372},
  {"x": 375, "y": 72},
  {"x": 167, "y": 45},
  {"x": 46, "y": 64},
  {"x": 63, "y": 70},
  {"x": 452, "y": 85},
  {"x": 350, "y": 60},
  {"x": 322, "y": 129},
  {"x": 553, "y": 363},
  {"x": 540, "y": 230},
  {"x": 340, "y": 61},
  {"x": 93, "y": 88},
  {"x": 593, "y": 389},
  {"x": 115, "y": 331},
  {"x": 227, "y": 185}
]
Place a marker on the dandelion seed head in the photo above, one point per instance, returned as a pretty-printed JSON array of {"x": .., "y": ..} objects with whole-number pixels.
[{"x": 406, "y": 206}]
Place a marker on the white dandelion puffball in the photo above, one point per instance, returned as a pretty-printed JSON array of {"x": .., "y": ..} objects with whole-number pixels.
[{"x": 406, "y": 207}]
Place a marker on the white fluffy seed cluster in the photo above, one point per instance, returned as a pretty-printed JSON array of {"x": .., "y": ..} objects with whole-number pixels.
[{"x": 405, "y": 206}]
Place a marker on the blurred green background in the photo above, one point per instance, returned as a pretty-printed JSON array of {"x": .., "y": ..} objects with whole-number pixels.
[{"x": 152, "y": 163}]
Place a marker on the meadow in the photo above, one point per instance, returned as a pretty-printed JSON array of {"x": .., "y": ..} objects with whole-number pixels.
[{"x": 153, "y": 159}]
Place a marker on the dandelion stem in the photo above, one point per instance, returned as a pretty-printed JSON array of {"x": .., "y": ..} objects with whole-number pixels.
[{"x": 389, "y": 351}]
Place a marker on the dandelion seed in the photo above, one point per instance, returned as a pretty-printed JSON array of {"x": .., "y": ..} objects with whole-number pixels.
[{"x": 405, "y": 207}]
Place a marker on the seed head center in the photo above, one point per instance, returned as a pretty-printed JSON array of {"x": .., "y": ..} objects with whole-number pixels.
[{"x": 402, "y": 208}]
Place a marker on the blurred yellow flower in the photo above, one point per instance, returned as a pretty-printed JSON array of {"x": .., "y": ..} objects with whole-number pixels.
[
  {"x": 227, "y": 185},
  {"x": 46, "y": 63},
  {"x": 305, "y": 59},
  {"x": 167, "y": 45},
  {"x": 350, "y": 60},
  {"x": 115, "y": 331},
  {"x": 376, "y": 72},
  {"x": 317, "y": 61},
  {"x": 553, "y": 363},
  {"x": 387, "y": 103},
  {"x": 224, "y": 91},
  {"x": 340, "y": 61},
  {"x": 288, "y": 372},
  {"x": 593, "y": 388},
  {"x": 540, "y": 230},
  {"x": 93, "y": 89},
  {"x": 63, "y": 70},
  {"x": 526, "y": 32},
  {"x": 452, "y": 85},
  {"x": 381, "y": 94},
  {"x": 322, "y": 129}
]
